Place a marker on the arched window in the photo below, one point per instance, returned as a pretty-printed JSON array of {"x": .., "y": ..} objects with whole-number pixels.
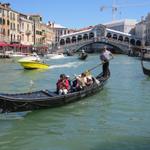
[
  {"x": 79, "y": 37},
  {"x": 74, "y": 39},
  {"x": 115, "y": 36},
  {"x": 85, "y": 36},
  {"x": 68, "y": 40},
  {"x": 62, "y": 42},
  {"x": 108, "y": 35},
  {"x": 132, "y": 41},
  {"x": 138, "y": 43},
  {"x": 120, "y": 38},
  {"x": 126, "y": 39},
  {"x": 91, "y": 35}
]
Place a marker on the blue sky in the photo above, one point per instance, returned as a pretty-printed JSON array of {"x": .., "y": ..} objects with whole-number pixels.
[{"x": 80, "y": 13}]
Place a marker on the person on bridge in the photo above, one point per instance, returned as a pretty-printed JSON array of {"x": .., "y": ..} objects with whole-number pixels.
[{"x": 105, "y": 56}]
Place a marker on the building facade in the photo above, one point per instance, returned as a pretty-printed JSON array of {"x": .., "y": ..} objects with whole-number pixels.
[
  {"x": 14, "y": 26},
  {"x": 26, "y": 30},
  {"x": 4, "y": 22},
  {"x": 142, "y": 30},
  {"x": 126, "y": 25},
  {"x": 58, "y": 30}
]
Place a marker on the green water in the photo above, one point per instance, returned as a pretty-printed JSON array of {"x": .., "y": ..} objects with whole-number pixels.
[{"x": 117, "y": 118}]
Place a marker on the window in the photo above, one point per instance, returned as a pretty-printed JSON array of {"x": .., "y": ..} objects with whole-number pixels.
[
  {"x": 1, "y": 21},
  {"x": 4, "y": 32},
  {"x": 18, "y": 27},
  {"x": 27, "y": 26},
  {"x": 13, "y": 16},
  {"x": 8, "y": 22},
  {"x": 10, "y": 16}
]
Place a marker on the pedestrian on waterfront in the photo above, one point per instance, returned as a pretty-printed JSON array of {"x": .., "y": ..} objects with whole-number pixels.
[{"x": 105, "y": 56}]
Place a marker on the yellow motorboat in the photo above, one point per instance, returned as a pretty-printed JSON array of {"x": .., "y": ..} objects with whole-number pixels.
[{"x": 32, "y": 63}]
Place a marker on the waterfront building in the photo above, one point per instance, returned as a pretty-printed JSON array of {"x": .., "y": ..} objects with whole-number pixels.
[
  {"x": 48, "y": 35},
  {"x": 147, "y": 21},
  {"x": 26, "y": 30},
  {"x": 126, "y": 25},
  {"x": 37, "y": 29},
  {"x": 14, "y": 26},
  {"x": 4, "y": 22},
  {"x": 58, "y": 30},
  {"x": 142, "y": 30}
]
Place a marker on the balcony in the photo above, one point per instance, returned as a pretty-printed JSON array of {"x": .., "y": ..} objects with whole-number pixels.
[{"x": 28, "y": 32}]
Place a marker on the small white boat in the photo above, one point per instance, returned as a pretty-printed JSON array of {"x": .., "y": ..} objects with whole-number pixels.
[{"x": 55, "y": 56}]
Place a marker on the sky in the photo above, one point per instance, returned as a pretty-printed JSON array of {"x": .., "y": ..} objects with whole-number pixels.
[{"x": 77, "y": 14}]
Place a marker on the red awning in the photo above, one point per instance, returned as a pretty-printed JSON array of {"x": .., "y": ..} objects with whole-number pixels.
[
  {"x": 14, "y": 45},
  {"x": 19, "y": 45},
  {"x": 3, "y": 44}
]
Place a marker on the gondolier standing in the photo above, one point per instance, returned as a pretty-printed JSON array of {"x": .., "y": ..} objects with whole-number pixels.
[{"x": 105, "y": 56}]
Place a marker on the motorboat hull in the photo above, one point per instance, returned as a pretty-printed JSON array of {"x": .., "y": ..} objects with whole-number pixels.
[{"x": 34, "y": 65}]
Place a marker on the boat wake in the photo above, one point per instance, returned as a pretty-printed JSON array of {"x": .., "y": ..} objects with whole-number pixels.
[
  {"x": 68, "y": 65},
  {"x": 13, "y": 116}
]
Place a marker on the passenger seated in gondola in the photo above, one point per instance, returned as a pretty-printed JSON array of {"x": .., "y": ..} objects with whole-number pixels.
[
  {"x": 82, "y": 80},
  {"x": 68, "y": 78},
  {"x": 89, "y": 78},
  {"x": 75, "y": 85},
  {"x": 62, "y": 85}
]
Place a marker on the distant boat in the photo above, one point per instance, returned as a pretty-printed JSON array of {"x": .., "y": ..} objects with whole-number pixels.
[
  {"x": 54, "y": 56},
  {"x": 32, "y": 62},
  {"x": 145, "y": 70},
  {"x": 83, "y": 55},
  {"x": 145, "y": 54},
  {"x": 18, "y": 55},
  {"x": 69, "y": 53}
]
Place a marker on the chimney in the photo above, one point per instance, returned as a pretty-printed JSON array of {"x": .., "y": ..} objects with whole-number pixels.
[{"x": 6, "y": 5}]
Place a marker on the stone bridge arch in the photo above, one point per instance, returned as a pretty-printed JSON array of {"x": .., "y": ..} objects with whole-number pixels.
[{"x": 100, "y": 42}]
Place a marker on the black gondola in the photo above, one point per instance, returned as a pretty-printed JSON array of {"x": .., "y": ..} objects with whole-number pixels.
[
  {"x": 69, "y": 53},
  {"x": 83, "y": 56},
  {"x": 46, "y": 99},
  {"x": 145, "y": 70}
]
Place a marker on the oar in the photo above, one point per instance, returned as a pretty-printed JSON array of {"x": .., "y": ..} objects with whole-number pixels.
[
  {"x": 98, "y": 65},
  {"x": 94, "y": 67}
]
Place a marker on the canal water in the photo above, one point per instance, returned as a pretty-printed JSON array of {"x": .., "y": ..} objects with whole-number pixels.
[{"x": 117, "y": 118}]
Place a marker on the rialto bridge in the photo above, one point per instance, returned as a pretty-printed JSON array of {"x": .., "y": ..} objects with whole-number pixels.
[{"x": 99, "y": 34}]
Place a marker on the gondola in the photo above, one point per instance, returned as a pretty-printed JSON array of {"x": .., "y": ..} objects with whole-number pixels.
[
  {"x": 83, "y": 56},
  {"x": 145, "y": 70},
  {"x": 46, "y": 99}
]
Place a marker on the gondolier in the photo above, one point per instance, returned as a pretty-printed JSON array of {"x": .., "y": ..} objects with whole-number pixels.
[{"x": 105, "y": 56}]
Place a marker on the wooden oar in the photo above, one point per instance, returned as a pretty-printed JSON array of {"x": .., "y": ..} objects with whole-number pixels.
[
  {"x": 97, "y": 65},
  {"x": 94, "y": 67}
]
